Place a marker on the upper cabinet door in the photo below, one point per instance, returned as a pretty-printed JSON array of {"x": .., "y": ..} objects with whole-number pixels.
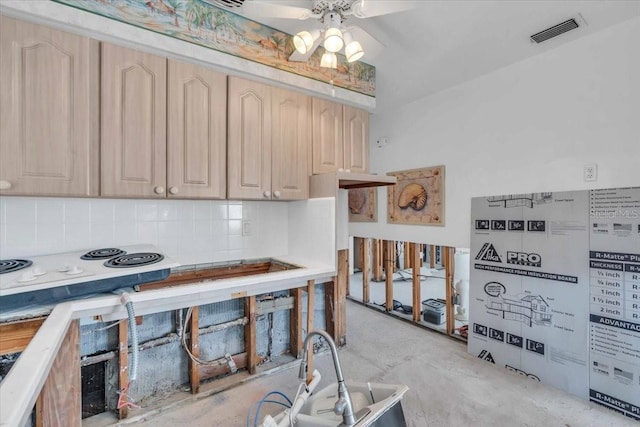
[
  {"x": 291, "y": 121},
  {"x": 133, "y": 128},
  {"x": 356, "y": 139},
  {"x": 196, "y": 132},
  {"x": 249, "y": 140},
  {"x": 48, "y": 111},
  {"x": 327, "y": 136}
]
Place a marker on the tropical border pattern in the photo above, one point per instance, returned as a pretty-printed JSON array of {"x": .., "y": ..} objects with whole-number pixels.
[{"x": 215, "y": 28}]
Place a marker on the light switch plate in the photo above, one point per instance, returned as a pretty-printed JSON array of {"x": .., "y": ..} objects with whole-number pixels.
[{"x": 246, "y": 227}]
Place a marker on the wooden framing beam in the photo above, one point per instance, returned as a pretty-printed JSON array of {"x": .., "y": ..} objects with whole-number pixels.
[
  {"x": 16, "y": 336},
  {"x": 123, "y": 356},
  {"x": 311, "y": 292},
  {"x": 407, "y": 259},
  {"x": 389, "y": 257},
  {"x": 415, "y": 275},
  {"x": 377, "y": 259},
  {"x": 448, "y": 257},
  {"x": 295, "y": 323},
  {"x": 342, "y": 285},
  {"x": 330, "y": 301},
  {"x": 194, "y": 348},
  {"x": 222, "y": 367},
  {"x": 39, "y": 412},
  {"x": 366, "y": 270},
  {"x": 60, "y": 401},
  {"x": 250, "y": 334},
  {"x": 432, "y": 256}
]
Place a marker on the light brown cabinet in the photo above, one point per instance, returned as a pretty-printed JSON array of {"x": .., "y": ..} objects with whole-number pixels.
[
  {"x": 133, "y": 129},
  {"x": 163, "y": 127},
  {"x": 48, "y": 111},
  {"x": 268, "y": 135},
  {"x": 196, "y": 132},
  {"x": 356, "y": 139},
  {"x": 340, "y": 138}
]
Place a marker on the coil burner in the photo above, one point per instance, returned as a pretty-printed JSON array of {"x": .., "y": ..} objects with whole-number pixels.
[
  {"x": 11, "y": 265},
  {"x": 134, "y": 260},
  {"x": 104, "y": 253}
]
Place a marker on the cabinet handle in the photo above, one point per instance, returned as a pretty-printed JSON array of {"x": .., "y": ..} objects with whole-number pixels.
[
  {"x": 5, "y": 185},
  {"x": 173, "y": 190},
  {"x": 276, "y": 194},
  {"x": 267, "y": 194},
  {"x": 159, "y": 190}
]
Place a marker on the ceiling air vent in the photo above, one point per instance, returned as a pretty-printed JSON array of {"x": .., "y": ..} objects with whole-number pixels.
[
  {"x": 227, "y": 4},
  {"x": 554, "y": 31}
]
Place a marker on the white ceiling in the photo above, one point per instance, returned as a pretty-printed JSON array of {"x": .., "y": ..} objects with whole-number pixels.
[{"x": 439, "y": 44}]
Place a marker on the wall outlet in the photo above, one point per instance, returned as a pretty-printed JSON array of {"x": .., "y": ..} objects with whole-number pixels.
[{"x": 591, "y": 172}]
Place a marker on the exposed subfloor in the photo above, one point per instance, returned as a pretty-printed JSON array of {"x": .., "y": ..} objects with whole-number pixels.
[{"x": 448, "y": 387}]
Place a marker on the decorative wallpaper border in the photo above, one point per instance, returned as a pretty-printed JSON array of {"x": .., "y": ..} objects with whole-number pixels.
[{"x": 215, "y": 28}]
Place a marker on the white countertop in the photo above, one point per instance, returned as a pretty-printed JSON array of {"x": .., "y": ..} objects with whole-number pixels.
[{"x": 27, "y": 376}]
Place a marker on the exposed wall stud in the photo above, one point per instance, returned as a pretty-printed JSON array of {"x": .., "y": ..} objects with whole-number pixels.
[
  {"x": 415, "y": 275},
  {"x": 310, "y": 310},
  {"x": 389, "y": 258},
  {"x": 366, "y": 270},
  {"x": 194, "y": 348},
  {"x": 250, "y": 334}
]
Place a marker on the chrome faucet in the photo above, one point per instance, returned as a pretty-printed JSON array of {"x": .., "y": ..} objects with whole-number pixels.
[{"x": 344, "y": 405}]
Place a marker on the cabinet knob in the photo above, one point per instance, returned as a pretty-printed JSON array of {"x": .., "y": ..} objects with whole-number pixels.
[
  {"x": 159, "y": 190},
  {"x": 173, "y": 190},
  {"x": 5, "y": 185},
  {"x": 276, "y": 194},
  {"x": 267, "y": 194}
]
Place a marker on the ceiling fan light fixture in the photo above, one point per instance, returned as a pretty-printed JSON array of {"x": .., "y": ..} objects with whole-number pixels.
[
  {"x": 329, "y": 60},
  {"x": 353, "y": 49},
  {"x": 333, "y": 41},
  {"x": 304, "y": 40}
]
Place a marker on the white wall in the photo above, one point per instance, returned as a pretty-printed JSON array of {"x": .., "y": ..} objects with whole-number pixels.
[
  {"x": 190, "y": 231},
  {"x": 528, "y": 127}
]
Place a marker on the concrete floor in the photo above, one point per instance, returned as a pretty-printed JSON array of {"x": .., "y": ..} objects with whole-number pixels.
[{"x": 448, "y": 387}]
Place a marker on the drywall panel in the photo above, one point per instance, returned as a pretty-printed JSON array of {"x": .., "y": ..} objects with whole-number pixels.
[
  {"x": 555, "y": 290},
  {"x": 531, "y": 126}
]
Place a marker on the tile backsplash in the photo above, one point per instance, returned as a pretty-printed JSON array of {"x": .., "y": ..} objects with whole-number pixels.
[{"x": 190, "y": 231}]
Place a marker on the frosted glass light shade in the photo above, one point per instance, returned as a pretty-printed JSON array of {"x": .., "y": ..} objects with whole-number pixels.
[
  {"x": 304, "y": 40},
  {"x": 333, "y": 40},
  {"x": 329, "y": 60},
  {"x": 353, "y": 51}
]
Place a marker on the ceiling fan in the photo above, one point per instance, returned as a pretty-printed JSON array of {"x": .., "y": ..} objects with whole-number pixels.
[{"x": 333, "y": 33}]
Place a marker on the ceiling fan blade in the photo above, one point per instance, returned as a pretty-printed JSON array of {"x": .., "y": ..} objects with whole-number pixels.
[
  {"x": 369, "y": 8},
  {"x": 264, "y": 9},
  {"x": 299, "y": 57}
]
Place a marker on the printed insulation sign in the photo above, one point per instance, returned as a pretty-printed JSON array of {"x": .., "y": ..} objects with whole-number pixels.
[{"x": 555, "y": 290}]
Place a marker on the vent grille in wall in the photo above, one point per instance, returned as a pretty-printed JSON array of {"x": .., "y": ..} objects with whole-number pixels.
[
  {"x": 554, "y": 31},
  {"x": 228, "y": 4}
]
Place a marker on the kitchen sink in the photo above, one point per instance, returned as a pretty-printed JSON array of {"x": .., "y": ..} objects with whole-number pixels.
[
  {"x": 384, "y": 409},
  {"x": 219, "y": 271},
  {"x": 374, "y": 404}
]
